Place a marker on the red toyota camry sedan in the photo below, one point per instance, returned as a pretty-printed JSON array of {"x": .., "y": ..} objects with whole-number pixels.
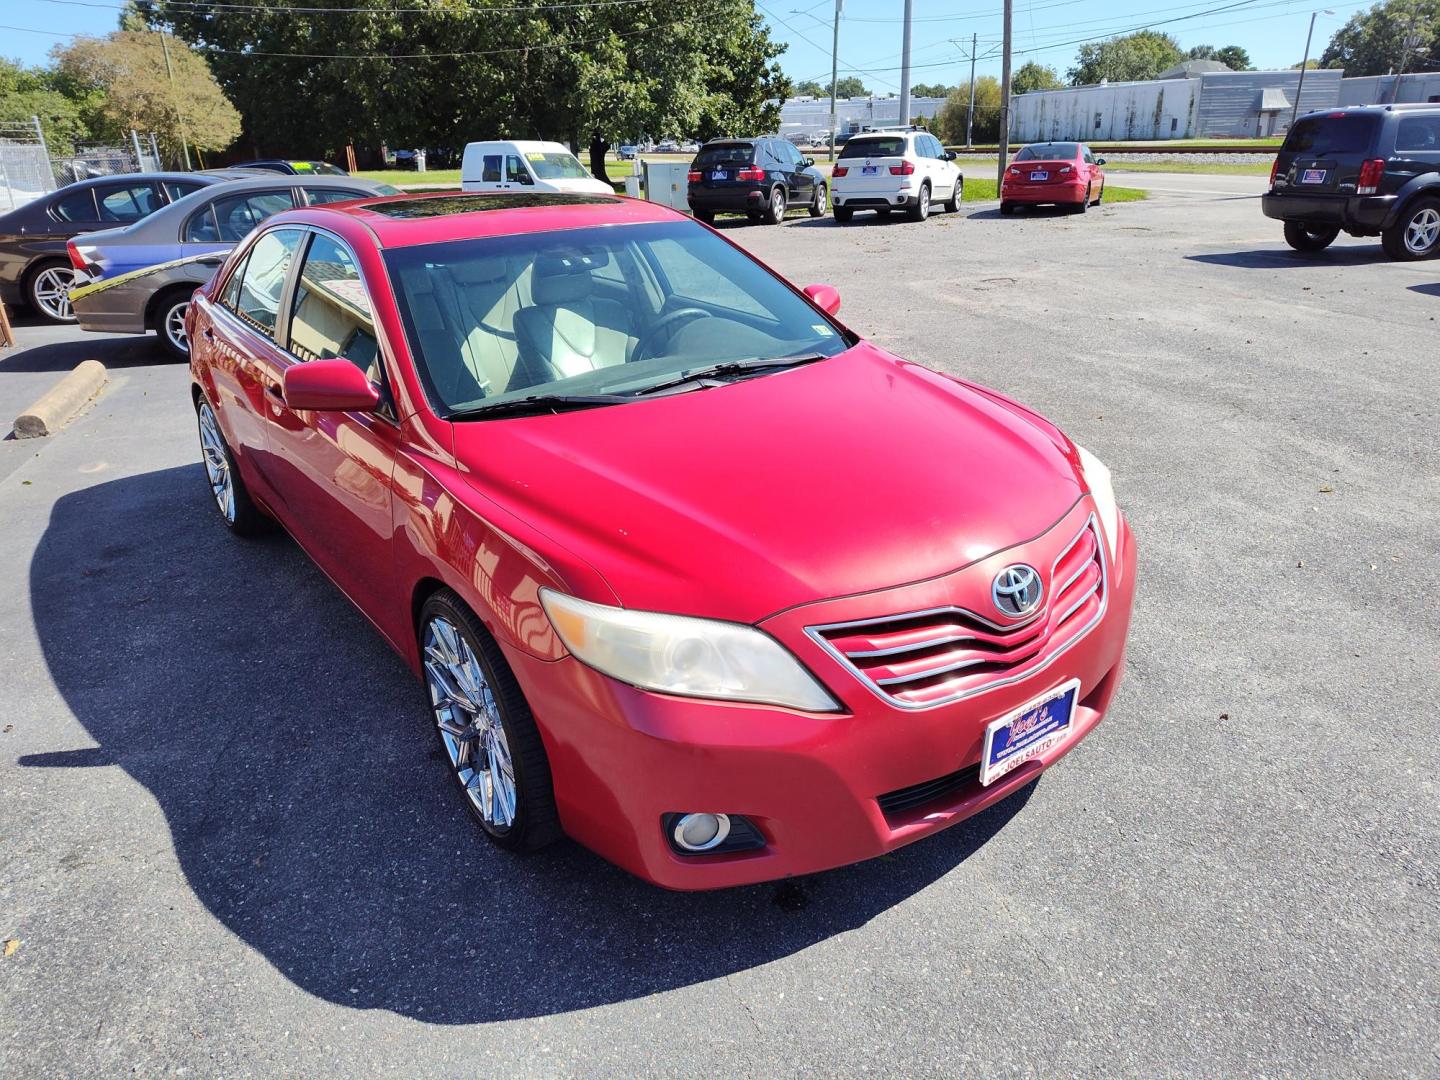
[
  {"x": 689, "y": 571},
  {"x": 1058, "y": 173}
]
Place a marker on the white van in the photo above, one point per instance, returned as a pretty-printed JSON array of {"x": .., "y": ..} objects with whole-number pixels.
[{"x": 526, "y": 166}]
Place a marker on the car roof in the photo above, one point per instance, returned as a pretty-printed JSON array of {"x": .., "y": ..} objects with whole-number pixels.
[
  {"x": 121, "y": 178},
  {"x": 748, "y": 140},
  {"x": 410, "y": 219}
]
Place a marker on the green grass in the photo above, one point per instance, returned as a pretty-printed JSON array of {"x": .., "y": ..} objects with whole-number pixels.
[{"x": 1213, "y": 168}]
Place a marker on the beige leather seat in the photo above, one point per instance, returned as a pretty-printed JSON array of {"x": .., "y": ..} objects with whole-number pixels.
[{"x": 568, "y": 330}]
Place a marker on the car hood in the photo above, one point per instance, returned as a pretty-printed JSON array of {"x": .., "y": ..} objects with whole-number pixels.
[
  {"x": 851, "y": 474},
  {"x": 581, "y": 186}
]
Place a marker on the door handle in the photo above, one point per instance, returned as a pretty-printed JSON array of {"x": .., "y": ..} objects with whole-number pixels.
[
  {"x": 208, "y": 334},
  {"x": 275, "y": 390}
]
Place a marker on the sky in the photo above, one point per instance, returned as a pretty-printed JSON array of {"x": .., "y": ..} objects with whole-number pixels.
[{"x": 1047, "y": 31}]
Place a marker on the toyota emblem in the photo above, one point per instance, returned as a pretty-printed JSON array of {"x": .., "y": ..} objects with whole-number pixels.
[{"x": 1017, "y": 590}]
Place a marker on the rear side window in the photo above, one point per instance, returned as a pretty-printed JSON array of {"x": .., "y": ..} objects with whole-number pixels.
[
  {"x": 262, "y": 279},
  {"x": 321, "y": 196},
  {"x": 231, "y": 219},
  {"x": 1345, "y": 133},
  {"x": 490, "y": 169},
  {"x": 721, "y": 154},
  {"x": 77, "y": 207},
  {"x": 178, "y": 189},
  {"x": 1418, "y": 133},
  {"x": 858, "y": 148}
]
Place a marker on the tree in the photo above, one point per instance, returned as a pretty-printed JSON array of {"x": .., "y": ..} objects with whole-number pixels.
[
  {"x": 27, "y": 92},
  {"x": 931, "y": 90},
  {"x": 810, "y": 88},
  {"x": 1141, "y": 55},
  {"x": 1234, "y": 57},
  {"x": 1033, "y": 76},
  {"x": 126, "y": 75},
  {"x": 1201, "y": 52},
  {"x": 949, "y": 122},
  {"x": 850, "y": 86},
  {"x": 1372, "y": 42}
]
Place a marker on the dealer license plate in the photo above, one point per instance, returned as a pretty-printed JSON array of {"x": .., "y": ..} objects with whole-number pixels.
[
  {"x": 1028, "y": 732},
  {"x": 869, "y": 170},
  {"x": 1041, "y": 175},
  {"x": 719, "y": 174},
  {"x": 1313, "y": 176}
]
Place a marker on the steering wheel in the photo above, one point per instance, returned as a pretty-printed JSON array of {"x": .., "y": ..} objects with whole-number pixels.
[{"x": 665, "y": 325}]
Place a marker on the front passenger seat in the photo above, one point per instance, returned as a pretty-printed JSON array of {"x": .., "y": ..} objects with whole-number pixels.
[{"x": 568, "y": 331}]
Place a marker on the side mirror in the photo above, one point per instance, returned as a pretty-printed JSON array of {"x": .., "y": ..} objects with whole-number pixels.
[
  {"x": 950, "y": 155},
  {"x": 808, "y": 162},
  {"x": 1099, "y": 161},
  {"x": 331, "y": 385},
  {"x": 825, "y": 297}
]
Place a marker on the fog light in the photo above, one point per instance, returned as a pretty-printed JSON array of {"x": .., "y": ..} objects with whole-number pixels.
[{"x": 700, "y": 832}]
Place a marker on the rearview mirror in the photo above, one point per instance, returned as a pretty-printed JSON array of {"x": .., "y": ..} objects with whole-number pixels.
[
  {"x": 825, "y": 297},
  {"x": 331, "y": 385}
]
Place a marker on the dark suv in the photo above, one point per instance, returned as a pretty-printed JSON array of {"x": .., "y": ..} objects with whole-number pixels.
[
  {"x": 756, "y": 177},
  {"x": 1370, "y": 171}
]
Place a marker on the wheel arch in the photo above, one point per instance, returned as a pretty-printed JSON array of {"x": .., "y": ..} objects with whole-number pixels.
[{"x": 161, "y": 297}]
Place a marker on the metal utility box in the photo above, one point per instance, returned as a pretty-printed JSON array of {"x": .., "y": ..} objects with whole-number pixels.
[{"x": 667, "y": 182}]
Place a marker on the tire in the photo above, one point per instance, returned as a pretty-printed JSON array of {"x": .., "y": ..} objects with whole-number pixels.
[
  {"x": 1306, "y": 238},
  {"x": 755, "y": 217},
  {"x": 705, "y": 216},
  {"x": 1415, "y": 236},
  {"x": 843, "y": 214},
  {"x": 1084, "y": 203},
  {"x": 821, "y": 203},
  {"x": 952, "y": 204},
  {"x": 1099, "y": 198},
  {"x": 168, "y": 321},
  {"x": 227, "y": 487},
  {"x": 774, "y": 212},
  {"x": 47, "y": 290},
  {"x": 1007, "y": 208},
  {"x": 483, "y": 723},
  {"x": 921, "y": 210}
]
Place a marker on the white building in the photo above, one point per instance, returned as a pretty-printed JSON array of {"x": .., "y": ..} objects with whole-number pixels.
[{"x": 811, "y": 116}]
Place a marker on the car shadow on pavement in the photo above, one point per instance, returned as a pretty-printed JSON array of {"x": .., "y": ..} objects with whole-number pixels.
[
  {"x": 1431, "y": 288},
  {"x": 125, "y": 351},
  {"x": 289, "y": 750},
  {"x": 1280, "y": 258}
]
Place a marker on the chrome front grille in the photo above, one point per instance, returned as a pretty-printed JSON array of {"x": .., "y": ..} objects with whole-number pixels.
[{"x": 926, "y": 658}]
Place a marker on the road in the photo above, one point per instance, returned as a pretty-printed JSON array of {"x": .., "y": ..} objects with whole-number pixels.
[{"x": 230, "y": 850}]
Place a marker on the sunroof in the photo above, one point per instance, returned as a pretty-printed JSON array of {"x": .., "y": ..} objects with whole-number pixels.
[{"x": 426, "y": 207}]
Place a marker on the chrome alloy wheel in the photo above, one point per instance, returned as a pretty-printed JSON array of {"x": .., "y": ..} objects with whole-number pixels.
[
  {"x": 217, "y": 462},
  {"x": 1423, "y": 230},
  {"x": 468, "y": 717},
  {"x": 174, "y": 328},
  {"x": 51, "y": 292}
]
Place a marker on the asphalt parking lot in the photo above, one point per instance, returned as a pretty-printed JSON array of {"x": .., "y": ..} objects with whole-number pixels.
[{"x": 229, "y": 849}]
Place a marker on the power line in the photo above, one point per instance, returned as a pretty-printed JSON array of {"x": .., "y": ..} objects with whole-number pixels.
[{"x": 223, "y": 8}]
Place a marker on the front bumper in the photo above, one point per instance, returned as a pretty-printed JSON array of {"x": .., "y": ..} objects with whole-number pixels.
[
  {"x": 1037, "y": 194},
  {"x": 621, "y": 758},
  {"x": 1363, "y": 214}
]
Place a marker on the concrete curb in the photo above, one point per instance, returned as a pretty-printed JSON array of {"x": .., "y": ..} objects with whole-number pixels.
[{"x": 63, "y": 401}]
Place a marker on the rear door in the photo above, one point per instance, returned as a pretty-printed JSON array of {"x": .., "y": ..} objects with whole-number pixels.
[
  {"x": 1323, "y": 153},
  {"x": 799, "y": 183}
]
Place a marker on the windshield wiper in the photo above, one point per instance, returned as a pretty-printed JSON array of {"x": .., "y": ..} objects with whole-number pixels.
[
  {"x": 538, "y": 403},
  {"x": 732, "y": 368}
]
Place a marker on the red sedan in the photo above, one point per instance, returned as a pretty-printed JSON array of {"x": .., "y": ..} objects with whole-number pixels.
[
  {"x": 1055, "y": 173},
  {"x": 689, "y": 571}
]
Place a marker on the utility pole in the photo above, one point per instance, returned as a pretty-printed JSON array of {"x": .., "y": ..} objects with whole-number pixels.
[
  {"x": 175, "y": 103},
  {"x": 1408, "y": 45},
  {"x": 1004, "y": 99},
  {"x": 1305, "y": 63},
  {"x": 970, "y": 114},
  {"x": 905, "y": 66},
  {"x": 834, "y": 72}
]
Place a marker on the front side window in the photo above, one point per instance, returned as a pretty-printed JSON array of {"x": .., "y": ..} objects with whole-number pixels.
[
  {"x": 262, "y": 279},
  {"x": 331, "y": 315},
  {"x": 229, "y": 220},
  {"x": 514, "y": 316},
  {"x": 556, "y": 166},
  {"x": 79, "y": 206},
  {"x": 515, "y": 170}
]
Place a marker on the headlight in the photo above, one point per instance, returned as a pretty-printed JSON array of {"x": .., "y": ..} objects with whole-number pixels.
[
  {"x": 1097, "y": 477},
  {"x": 676, "y": 654}
]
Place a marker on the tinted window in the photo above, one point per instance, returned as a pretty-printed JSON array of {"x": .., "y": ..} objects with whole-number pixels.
[
  {"x": 722, "y": 154},
  {"x": 262, "y": 280},
  {"x": 331, "y": 314},
  {"x": 1345, "y": 133},
  {"x": 1418, "y": 133},
  {"x": 490, "y": 169},
  {"x": 1049, "y": 151},
  {"x": 79, "y": 206},
  {"x": 128, "y": 202},
  {"x": 494, "y": 319},
  {"x": 321, "y": 196},
  {"x": 178, "y": 189},
  {"x": 857, "y": 148},
  {"x": 231, "y": 219}
]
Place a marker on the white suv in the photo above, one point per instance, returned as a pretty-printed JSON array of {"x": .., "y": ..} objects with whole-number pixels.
[{"x": 894, "y": 170}]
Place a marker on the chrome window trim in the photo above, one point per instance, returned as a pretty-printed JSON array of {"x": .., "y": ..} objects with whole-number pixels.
[{"x": 816, "y": 633}]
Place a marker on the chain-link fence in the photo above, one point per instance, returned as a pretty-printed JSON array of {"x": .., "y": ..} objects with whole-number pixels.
[{"x": 27, "y": 170}]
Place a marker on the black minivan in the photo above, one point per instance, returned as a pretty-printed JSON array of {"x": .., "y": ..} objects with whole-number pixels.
[
  {"x": 760, "y": 178},
  {"x": 1372, "y": 170}
]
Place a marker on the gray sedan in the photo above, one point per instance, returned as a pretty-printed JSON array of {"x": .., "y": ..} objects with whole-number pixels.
[{"x": 140, "y": 278}]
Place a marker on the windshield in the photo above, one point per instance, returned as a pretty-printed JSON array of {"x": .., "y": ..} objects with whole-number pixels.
[
  {"x": 1049, "y": 151},
  {"x": 610, "y": 310},
  {"x": 1347, "y": 133},
  {"x": 726, "y": 154},
  {"x": 556, "y": 166},
  {"x": 874, "y": 148}
]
